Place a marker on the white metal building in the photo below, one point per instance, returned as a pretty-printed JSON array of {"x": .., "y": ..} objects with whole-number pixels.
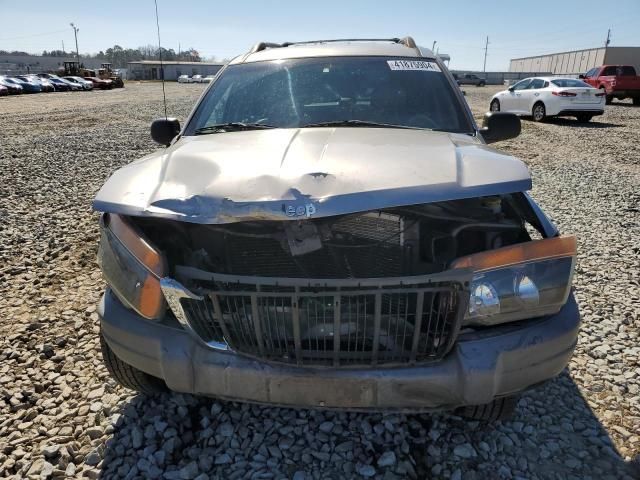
[
  {"x": 150, "y": 69},
  {"x": 577, "y": 61}
]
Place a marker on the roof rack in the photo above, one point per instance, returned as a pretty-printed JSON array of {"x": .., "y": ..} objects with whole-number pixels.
[
  {"x": 258, "y": 47},
  {"x": 406, "y": 41}
]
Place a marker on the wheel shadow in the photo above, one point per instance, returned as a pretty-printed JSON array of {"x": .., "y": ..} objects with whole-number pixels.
[{"x": 554, "y": 434}]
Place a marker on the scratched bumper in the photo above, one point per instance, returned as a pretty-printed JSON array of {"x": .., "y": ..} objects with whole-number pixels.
[{"x": 480, "y": 367}]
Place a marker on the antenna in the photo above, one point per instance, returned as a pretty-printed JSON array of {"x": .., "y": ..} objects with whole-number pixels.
[
  {"x": 164, "y": 96},
  {"x": 486, "y": 47}
]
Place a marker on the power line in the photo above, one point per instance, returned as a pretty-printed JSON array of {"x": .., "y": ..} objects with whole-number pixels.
[{"x": 33, "y": 35}]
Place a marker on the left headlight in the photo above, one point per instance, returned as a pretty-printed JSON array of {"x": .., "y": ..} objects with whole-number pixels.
[
  {"x": 132, "y": 266},
  {"x": 521, "y": 281}
]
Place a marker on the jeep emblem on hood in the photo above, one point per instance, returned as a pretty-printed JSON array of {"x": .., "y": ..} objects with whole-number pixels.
[{"x": 301, "y": 210}]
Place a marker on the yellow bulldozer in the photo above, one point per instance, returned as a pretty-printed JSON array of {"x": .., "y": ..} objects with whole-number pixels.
[{"x": 104, "y": 72}]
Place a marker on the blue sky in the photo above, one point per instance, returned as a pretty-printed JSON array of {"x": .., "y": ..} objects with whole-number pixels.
[{"x": 227, "y": 28}]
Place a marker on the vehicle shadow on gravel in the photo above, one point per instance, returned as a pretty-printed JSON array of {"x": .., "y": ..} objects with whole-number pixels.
[
  {"x": 554, "y": 434},
  {"x": 624, "y": 104},
  {"x": 570, "y": 122}
]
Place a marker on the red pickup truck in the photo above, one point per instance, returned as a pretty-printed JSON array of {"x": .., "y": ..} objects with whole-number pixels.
[{"x": 618, "y": 81}]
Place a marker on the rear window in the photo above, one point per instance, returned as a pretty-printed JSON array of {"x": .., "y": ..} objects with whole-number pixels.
[
  {"x": 627, "y": 71},
  {"x": 570, "y": 83}
]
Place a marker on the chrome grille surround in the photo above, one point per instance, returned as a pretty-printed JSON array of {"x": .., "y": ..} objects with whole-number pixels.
[{"x": 321, "y": 322}]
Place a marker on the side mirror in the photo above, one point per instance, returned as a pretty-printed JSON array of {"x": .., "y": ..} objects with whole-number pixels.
[
  {"x": 164, "y": 130},
  {"x": 581, "y": 76},
  {"x": 510, "y": 88},
  {"x": 500, "y": 126}
]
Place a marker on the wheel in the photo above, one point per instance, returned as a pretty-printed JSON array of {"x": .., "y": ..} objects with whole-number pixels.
[
  {"x": 495, "y": 105},
  {"x": 500, "y": 409},
  {"x": 636, "y": 100},
  {"x": 608, "y": 98},
  {"x": 481, "y": 84},
  {"x": 128, "y": 376},
  {"x": 538, "y": 112},
  {"x": 584, "y": 118}
]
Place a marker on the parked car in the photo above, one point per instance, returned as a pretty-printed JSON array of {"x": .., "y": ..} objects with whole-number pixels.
[
  {"x": 293, "y": 247},
  {"x": 197, "y": 79},
  {"x": 75, "y": 87},
  {"x": 100, "y": 83},
  {"x": 44, "y": 83},
  {"x": 4, "y": 91},
  {"x": 184, "y": 79},
  {"x": 470, "y": 79},
  {"x": 544, "y": 97},
  {"x": 208, "y": 79},
  {"x": 617, "y": 81},
  {"x": 85, "y": 84},
  {"x": 28, "y": 86},
  {"x": 61, "y": 85},
  {"x": 13, "y": 88},
  {"x": 47, "y": 75}
]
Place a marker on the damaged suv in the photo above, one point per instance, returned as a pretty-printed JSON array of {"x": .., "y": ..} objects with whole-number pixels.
[{"x": 330, "y": 229}]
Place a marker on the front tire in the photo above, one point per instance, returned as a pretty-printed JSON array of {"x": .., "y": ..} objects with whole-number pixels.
[
  {"x": 495, "y": 105},
  {"x": 584, "y": 118},
  {"x": 500, "y": 409},
  {"x": 129, "y": 376},
  {"x": 538, "y": 112},
  {"x": 481, "y": 84},
  {"x": 636, "y": 101}
]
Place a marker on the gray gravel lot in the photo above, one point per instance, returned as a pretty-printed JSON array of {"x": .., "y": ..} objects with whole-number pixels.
[{"x": 61, "y": 415}]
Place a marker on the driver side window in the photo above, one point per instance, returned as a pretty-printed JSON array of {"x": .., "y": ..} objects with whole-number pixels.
[
  {"x": 522, "y": 84},
  {"x": 535, "y": 84}
]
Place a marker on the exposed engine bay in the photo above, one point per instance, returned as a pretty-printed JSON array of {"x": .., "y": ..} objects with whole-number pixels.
[{"x": 412, "y": 240}]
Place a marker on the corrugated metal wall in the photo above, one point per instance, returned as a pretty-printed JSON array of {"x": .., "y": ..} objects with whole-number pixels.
[{"x": 565, "y": 63}]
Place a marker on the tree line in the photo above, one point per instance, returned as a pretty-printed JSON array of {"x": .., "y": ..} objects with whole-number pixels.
[{"x": 119, "y": 56}]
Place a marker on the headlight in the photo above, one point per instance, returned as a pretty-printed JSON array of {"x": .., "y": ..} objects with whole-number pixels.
[
  {"x": 132, "y": 266},
  {"x": 520, "y": 281}
]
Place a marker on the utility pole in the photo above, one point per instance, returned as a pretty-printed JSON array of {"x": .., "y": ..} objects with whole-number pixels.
[
  {"x": 63, "y": 46},
  {"x": 179, "y": 50},
  {"x": 433, "y": 47},
  {"x": 75, "y": 32},
  {"x": 606, "y": 44},
  {"x": 486, "y": 47}
]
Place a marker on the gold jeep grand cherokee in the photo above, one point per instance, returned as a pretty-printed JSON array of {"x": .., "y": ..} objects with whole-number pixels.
[{"x": 330, "y": 229}]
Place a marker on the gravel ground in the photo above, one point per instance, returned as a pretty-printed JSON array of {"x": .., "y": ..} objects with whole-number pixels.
[{"x": 61, "y": 415}]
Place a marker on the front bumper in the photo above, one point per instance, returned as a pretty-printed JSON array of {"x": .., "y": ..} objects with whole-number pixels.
[{"x": 481, "y": 366}]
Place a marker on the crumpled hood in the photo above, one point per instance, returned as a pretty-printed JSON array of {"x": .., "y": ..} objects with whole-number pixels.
[{"x": 286, "y": 174}]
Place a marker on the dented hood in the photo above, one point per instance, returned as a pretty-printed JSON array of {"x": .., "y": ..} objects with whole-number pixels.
[{"x": 287, "y": 174}]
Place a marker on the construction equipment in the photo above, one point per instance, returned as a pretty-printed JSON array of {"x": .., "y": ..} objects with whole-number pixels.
[{"x": 105, "y": 72}]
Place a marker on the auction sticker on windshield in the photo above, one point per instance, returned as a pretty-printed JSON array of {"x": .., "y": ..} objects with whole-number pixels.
[{"x": 413, "y": 65}]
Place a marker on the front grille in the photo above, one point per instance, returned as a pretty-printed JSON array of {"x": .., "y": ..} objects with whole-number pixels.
[{"x": 331, "y": 326}]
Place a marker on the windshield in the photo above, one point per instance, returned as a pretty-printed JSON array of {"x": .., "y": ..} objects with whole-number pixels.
[{"x": 303, "y": 92}]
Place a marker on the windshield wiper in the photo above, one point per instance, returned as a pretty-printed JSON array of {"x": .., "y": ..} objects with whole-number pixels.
[
  {"x": 231, "y": 127},
  {"x": 358, "y": 123}
]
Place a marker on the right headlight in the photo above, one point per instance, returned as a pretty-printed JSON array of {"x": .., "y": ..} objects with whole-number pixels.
[{"x": 520, "y": 281}]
